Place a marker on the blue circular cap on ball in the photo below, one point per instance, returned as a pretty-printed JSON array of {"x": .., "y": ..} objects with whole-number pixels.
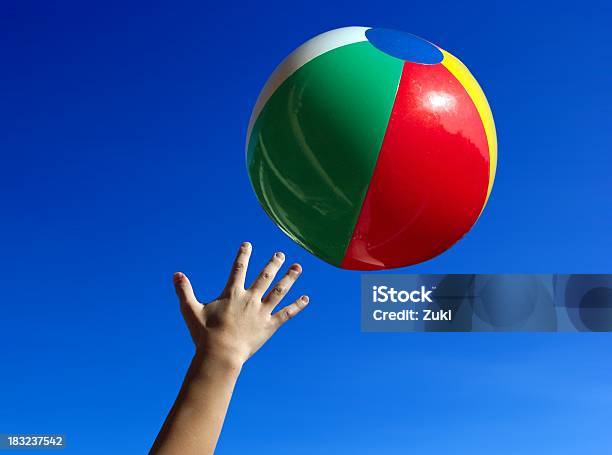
[{"x": 404, "y": 46}]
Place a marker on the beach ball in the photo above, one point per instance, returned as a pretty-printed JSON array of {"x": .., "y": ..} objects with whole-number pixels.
[{"x": 372, "y": 148}]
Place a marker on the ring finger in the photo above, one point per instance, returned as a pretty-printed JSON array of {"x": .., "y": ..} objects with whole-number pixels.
[{"x": 282, "y": 287}]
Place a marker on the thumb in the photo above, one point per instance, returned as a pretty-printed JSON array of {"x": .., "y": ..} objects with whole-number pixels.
[
  {"x": 183, "y": 289},
  {"x": 189, "y": 303}
]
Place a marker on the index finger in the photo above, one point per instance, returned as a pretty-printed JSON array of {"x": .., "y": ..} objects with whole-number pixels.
[{"x": 239, "y": 268}]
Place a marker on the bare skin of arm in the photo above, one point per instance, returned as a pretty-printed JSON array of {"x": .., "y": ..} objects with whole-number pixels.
[{"x": 226, "y": 333}]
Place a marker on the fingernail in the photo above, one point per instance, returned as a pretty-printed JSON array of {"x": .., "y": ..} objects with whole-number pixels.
[
  {"x": 296, "y": 268},
  {"x": 178, "y": 276},
  {"x": 280, "y": 256},
  {"x": 305, "y": 299},
  {"x": 245, "y": 245}
]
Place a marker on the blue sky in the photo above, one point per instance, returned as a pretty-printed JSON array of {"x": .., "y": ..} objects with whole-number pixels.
[{"x": 122, "y": 147}]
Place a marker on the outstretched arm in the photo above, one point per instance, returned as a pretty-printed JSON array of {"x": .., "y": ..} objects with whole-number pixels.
[{"x": 226, "y": 332}]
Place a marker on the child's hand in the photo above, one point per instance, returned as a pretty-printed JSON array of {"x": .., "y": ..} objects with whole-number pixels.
[
  {"x": 235, "y": 325},
  {"x": 226, "y": 332}
]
